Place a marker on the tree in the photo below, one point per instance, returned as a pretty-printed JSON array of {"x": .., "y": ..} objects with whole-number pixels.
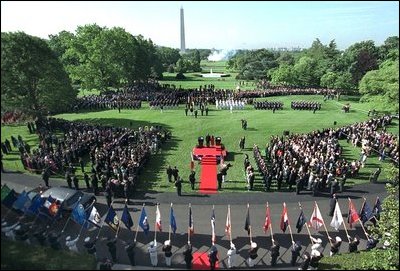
[
  {"x": 382, "y": 85},
  {"x": 360, "y": 58},
  {"x": 32, "y": 78},
  {"x": 283, "y": 75},
  {"x": 306, "y": 70},
  {"x": 388, "y": 229},
  {"x": 389, "y": 49},
  {"x": 168, "y": 56},
  {"x": 328, "y": 80}
]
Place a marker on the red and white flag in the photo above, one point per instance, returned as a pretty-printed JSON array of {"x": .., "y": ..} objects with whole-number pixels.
[
  {"x": 353, "y": 216},
  {"x": 316, "y": 220},
  {"x": 284, "y": 218},
  {"x": 158, "y": 219},
  {"x": 267, "y": 222}
]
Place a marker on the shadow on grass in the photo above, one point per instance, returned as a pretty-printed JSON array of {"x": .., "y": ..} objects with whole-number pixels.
[{"x": 157, "y": 162}]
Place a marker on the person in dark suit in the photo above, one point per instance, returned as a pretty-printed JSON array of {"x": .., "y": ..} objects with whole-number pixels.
[
  {"x": 76, "y": 182},
  {"x": 192, "y": 179},
  {"x": 274, "y": 252},
  {"x": 335, "y": 245},
  {"x": 178, "y": 185},
  {"x": 252, "y": 253},
  {"x": 188, "y": 255},
  {"x": 332, "y": 204},
  {"x": 112, "y": 248},
  {"x": 296, "y": 248},
  {"x": 353, "y": 243},
  {"x": 167, "y": 251},
  {"x": 169, "y": 173},
  {"x": 91, "y": 246},
  {"x": 213, "y": 257},
  {"x": 130, "y": 250},
  {"x": 175, "y": 173}
]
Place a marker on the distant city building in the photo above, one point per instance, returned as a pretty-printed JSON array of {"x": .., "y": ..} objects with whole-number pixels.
[
  {"x": 183, "y": 47},
  {"x": 286, "y": 49}
]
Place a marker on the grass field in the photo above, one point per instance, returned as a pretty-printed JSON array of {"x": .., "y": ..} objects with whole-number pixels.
[
  {"x": 194, "y": 81},
  {"x": 186, "y": 129}
]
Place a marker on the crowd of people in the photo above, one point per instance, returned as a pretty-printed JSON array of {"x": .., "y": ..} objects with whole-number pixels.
[
  {"x": 117, "y": 155},
  {"x": 313, "y": 161}
]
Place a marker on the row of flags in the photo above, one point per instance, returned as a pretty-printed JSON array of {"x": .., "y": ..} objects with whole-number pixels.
[{"x": 51, "y": 208}]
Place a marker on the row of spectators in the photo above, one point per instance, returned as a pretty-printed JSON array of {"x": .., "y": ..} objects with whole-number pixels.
[
  {"x": 314, "y": 160},
  {"x": 116, "y": 153}
]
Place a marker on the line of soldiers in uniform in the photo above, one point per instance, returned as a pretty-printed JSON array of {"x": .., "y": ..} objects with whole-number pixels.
[
  {"x": 109, "y": 100},
  {"x": 305, "y": 105},
  {"x": 268, "y": 105}
]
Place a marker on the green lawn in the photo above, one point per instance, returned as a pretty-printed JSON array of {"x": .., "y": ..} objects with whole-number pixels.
[
  {"x": 16, "y": 255},
  {"x": 186, "y": 129}
]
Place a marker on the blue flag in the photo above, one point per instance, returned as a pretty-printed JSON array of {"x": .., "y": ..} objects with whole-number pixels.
[
  {"x": 112, "y": 219},
  {"x": 23, "y": 202},
  {"x": 79, "y": 215},
  {"x": 366, "y": 213},
  {"x": 126, "y": 218},
  {"x": 172, "y": 220},
  {"x": 37, "y": 203},
  {"x": 9, "y": 200},
  {"x": 301, "y": 221},
  {"x": 377, "y": 209},
  {"x": 143, "y": 223}
]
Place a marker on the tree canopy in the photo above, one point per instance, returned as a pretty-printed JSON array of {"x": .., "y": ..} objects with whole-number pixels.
[{"x": 33, "y": 80}]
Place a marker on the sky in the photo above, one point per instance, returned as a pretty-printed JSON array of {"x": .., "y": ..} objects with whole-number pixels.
[{"x": 217, "y": 24}]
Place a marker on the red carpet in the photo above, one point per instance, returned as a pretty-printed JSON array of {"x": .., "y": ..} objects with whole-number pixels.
[
  {"x": 201, "y": 262},
  {"x": 208, "y": 177},
  {"x": 209, "y": 157}
]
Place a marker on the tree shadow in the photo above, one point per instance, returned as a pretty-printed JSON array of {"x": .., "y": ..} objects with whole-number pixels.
[{"x": 147, "y": 177}]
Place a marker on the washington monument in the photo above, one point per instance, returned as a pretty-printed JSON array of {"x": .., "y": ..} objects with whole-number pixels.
[{"x": 183, "y": 49}]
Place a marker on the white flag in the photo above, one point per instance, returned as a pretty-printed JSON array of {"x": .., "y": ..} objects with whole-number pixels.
[
  {"x": 158, "y": 219},
  {"x": 316, "y": 220},
  {"x": 95, "y": 217},
  {"x": 337, "y": 218}
]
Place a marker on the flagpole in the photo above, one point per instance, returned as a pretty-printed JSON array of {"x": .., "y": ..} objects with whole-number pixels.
[
  {"x": 102, "y": 223},
  {"x": 155, "y": 227},
  {"x": 137, "y": 227},
  {"x": 119, "y": 222},
  {"x": 169, "y": 232},
  {"x": 82, "y": 227},
  {"x": 344, "y": 224},
  {"x": 270, "y": 226},
  {"x": 190, "y": 205},
  {"x": 308, "y": 229},
  {"x": 290, "y": 228},
  {"x": 230, "y": 223},
  {"x": 213, "y": 228},
  {"x": 323, "y": 222},
  {"x": 248, "y": 211}
]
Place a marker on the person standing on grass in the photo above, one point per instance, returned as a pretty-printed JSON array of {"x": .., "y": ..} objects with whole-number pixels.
[{"x": 192, "y": 179}]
